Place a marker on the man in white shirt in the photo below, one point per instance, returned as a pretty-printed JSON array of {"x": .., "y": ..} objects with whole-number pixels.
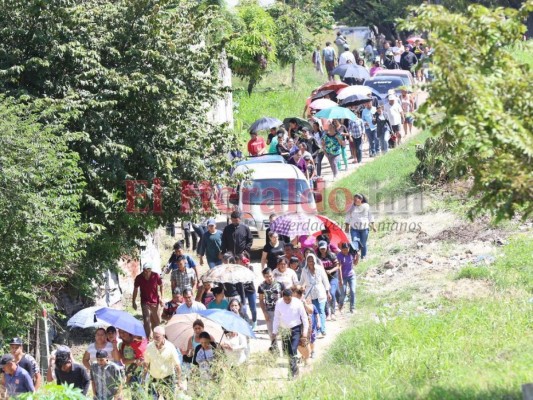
[
  {"x": 290, "y": 314},
  {"x": 189, "y": 305},
  {"x": 346, "y": 56},
  {"x": 394, "y": 113}
]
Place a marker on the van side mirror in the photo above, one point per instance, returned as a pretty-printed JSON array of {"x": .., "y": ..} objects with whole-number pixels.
[{"x": 234, "y": 198}]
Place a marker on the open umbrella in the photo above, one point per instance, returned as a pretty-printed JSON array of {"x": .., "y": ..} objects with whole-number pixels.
[
  {"x": 228, "y": 273},
  {"x": 264, "y": 123},
  {"x": 85, "y": 318},
  {"x": 336, "y": 86},
  {"x": 336, "y": 113},
  {"x": 179, "y": 329},
  {"x": 413, "y": 39},
  {"x": 356, "y": 100},
  {"x": 351, "y": 71},
  {"x": 336, "y": 234},
  {"x": 122, "y": 320},
  {"x": 321, "y": 104},
  {"x": 354, "y": 90},
  {"x": 296, "y": 224},
  {"x": 301, "y": 122},
  {"x": 229, "y": 321},
  {"x": 322, "y": 93}
]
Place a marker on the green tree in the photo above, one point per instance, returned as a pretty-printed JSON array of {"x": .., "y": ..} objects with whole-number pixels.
[
  {"x": 479, "y": 106},
  {"x": 129, "y": 83},
  {"x": 254, "y": 48},
  {"x": 40, "y": 190},
  {"x": 292, "y": 37}
]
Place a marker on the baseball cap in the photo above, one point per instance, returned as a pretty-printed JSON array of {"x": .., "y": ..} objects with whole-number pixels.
[
  {"x": 62, "y": 355},
  {"x": 6, "y": 358},
  {"x": 101, "y": 354},
  {"x": 148, "y": 265},
  {"x": 16, "y": 340},
  {"x": 322, "y": 244},
  {"x": 211, "y": 221}
]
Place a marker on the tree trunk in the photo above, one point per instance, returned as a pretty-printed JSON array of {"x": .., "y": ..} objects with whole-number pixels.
[
  {"x": 293, "y": 74},
  {"x": 251, "y": 84}
]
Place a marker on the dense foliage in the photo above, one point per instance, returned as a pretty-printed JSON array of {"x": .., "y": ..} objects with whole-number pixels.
[
  {"x": 40, "y": 190},
  {"x": 126, "y": 85},
  {"x": 480, "y": 106}
]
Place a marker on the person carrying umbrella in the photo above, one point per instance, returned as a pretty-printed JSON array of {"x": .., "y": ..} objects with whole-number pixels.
[{"x": 162, "y": 362}]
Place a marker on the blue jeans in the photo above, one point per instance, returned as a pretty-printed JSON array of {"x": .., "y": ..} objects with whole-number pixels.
[
  {"x": 383, "y": 144},
  {"x": 321, "y": 307},
  {"x": 348, "y": 283},
  {"x": 357, "y": 148},
  {"x": 373, "y": 144},
  {"x": 290, "y": 347},
  {"x": 334, "y": 286},
  {"x": 362, "y": 235},
  {"x": 251, "y": 299},
  {"x": 213, "y": 264}
]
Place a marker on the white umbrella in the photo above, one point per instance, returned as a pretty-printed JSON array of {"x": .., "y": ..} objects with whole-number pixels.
[
  {"x": 85, "y": 318},
  {"x": 321, "y": 104},
  {"x": 358, "y": 90}
]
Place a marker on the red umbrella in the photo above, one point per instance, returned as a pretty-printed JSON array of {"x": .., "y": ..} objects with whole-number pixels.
[
  {"x": 336, "y": 86},
  {"x": 413, "y": 39},
  {"x": 336, "y": 234}
]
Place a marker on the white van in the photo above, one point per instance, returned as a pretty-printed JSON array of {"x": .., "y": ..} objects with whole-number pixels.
[{"x": 271, "y": 189}]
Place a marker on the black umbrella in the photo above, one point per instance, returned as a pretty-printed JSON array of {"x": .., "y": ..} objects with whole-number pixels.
[
  {"x": 265, "y": 123},
  {"x": 351, "y": 71},
  {"x": 322, "y": 93},
  {"x": 355, "y": 100},
  {"x": 301, "y": 122}
]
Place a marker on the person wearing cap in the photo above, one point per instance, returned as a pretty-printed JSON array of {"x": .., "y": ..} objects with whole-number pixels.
[
  {"x": 346, "y": 56},
  {"x": 26, "y": 361},
  {"x": 170, "y": 307},
  {"x": 162, "y": 362},
  {"x": 325, "y": 236},
  {"x": 256, "y": 145},
  {"x": 236, "y": 237},
  {"x": 70, "y": 372},
  {"x": 107, "y": 378},
  {"x": 290, "y": 314},
  {"x": 395, "y": 115},
  {"x": 211, "y": 245},
  {"x": 150, "y": 285},
  {"x": 16, "y": 379},
  {"x": 331, "y": 266},
  {"x": 347, "y": 262}
]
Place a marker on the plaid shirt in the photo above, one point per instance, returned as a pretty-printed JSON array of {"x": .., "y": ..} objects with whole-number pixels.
[
  {"x": 356, "y": 128},
  {"x": 183, "y": 280}
]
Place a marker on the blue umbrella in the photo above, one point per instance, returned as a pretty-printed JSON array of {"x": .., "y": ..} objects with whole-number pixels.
[
  {"x": 336, "y": 113},
  {"x": 85, "y": 318},
  {"x": 229, "y": 321},
  {"x": 122, "y": 320}
]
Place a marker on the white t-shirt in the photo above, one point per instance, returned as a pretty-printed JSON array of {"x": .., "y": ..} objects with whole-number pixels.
[
  {"x": 288, "y": 278},
  {"x": 394, "y": 113},
  {"x": 91, "y": 349},
  {"x": 345, "y": 57}
]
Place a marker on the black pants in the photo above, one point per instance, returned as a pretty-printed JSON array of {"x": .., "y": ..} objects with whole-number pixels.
[
  {"x": 290, "y": 346},
  {"x": 188, "y": 235}
]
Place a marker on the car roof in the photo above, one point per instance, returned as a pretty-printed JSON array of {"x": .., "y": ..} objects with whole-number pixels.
[
  {"x": 264, "y": 159},
  {"x": 271, "y": 171},
  {"x": 379, "y": 78}
]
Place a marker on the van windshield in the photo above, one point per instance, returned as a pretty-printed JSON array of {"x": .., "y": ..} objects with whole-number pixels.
[{"x": 276, "y": 191}]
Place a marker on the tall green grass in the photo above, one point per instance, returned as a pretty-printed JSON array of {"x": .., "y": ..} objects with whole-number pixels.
[{"x": 481, "y": 349}]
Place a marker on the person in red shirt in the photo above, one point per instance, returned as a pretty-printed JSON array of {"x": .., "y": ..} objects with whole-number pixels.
[
  {"x": 256, "y": 144},
  {"x": 151, "y": 287}
]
